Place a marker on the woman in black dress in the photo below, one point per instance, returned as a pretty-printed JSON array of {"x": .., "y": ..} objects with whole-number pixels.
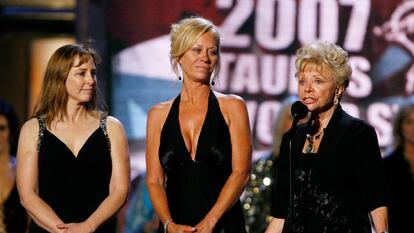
[
  {"x": 72, "y": 159},
  {"x": 399, "y": 167},
  {"x": 335, "y": 174},
  {"x": 13, "y": 217},
  {"x": 198, "y": 144}
]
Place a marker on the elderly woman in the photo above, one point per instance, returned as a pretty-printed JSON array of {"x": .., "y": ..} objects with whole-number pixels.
[
  {"x": 198, "y": 144},
  {"x": 72, "y": 159},
  {"x": 399, "y": 167},
  {"x": 331, "y": 178}
]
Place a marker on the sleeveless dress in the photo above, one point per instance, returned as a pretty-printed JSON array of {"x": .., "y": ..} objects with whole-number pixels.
[
  {"x": 193, "y": 186},
  {"x": 72, "y": 186}
]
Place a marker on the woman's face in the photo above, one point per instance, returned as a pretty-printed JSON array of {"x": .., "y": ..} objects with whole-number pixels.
[
  {"x": 317, "y": 89},
  {"x": 199, "y": 61},
  {"x": 4, "y": 133},
  {"x": 407, "y": 128},
  {"x": 81, "y": 80}
]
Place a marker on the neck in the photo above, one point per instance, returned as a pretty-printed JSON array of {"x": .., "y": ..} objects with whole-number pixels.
[
  {"x": 4, "y": 159},
  {"x": 409, "y": 150},
  {"x": 74, "y": 112},
  {"x": 194, "y": 92},
  {"x": 324, "y": 117}
]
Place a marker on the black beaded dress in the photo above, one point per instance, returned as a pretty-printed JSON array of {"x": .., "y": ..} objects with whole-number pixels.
[
  {"x": 74, "y": 186},
  {"x": 193, "y": 186}
]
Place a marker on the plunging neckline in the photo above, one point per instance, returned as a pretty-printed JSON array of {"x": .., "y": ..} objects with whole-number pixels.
[
  {"x": 75, "y": 156},
  {"x": 201, "y": 130}
]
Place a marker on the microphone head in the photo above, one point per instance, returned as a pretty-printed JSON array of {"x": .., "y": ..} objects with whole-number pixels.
[{"x": 299, "y": 110}]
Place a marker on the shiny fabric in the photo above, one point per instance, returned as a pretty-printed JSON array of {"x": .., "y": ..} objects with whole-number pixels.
[{"x": 193, "y": 186}]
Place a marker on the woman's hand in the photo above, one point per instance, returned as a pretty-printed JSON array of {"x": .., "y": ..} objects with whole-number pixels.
[
  {"x": 82, "y": 227},
  {"x": 275, "y": 225},
  {"x": 206, "y": 225},
  {"x": 178, "y": 228}
]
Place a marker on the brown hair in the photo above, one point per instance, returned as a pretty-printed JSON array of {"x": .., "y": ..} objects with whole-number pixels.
[
  {"x": 403, "y": 113},
  {"x": 53, "y": 95}
]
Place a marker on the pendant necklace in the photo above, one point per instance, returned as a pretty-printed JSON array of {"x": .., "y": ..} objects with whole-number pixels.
[{"x": 311, "y": 140}]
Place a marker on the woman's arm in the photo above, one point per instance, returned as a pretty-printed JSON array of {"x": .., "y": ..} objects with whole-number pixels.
[
  {"x": 155, "y": 173},
  {"x": 372, "y": 178},
  {"x": 275, "y": 226},
  {"x": 119, "y": 183},
  {"x": 379, "y": 218},
  {"x": 235, "y": 109},
  {"x": 27, "y": 179}
]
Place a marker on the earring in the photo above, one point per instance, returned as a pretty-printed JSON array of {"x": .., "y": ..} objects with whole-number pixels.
[
  {"x": 213, "y": 83},
  {"x": 179, "y": 78},
  {"x": 336, "y": 101}
]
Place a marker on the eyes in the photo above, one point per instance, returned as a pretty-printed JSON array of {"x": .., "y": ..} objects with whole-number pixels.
[
  {"x": 198, "y": 50},
  {"x": 315, "y": 79},
  {"x": 83, "y": 73}
]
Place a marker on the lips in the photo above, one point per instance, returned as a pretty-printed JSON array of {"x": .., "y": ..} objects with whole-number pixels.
[
  {"x": 206, "y": 68},
  {"x": 308, "y": 100},
  {"x": 87, "y": 90}
]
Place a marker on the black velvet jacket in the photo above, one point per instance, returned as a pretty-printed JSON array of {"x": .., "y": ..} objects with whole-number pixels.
[{"x": 338, "y": 186}]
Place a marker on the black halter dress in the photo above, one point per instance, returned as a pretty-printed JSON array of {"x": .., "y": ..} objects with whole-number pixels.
[{"x": 193, "y": 186}]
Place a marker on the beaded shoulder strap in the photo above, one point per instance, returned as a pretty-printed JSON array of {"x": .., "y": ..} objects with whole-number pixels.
[
  {"x": 102, "y": 125},
  {"x": 42, "y": 127}
]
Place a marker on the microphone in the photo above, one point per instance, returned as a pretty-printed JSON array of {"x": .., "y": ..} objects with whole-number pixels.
[{"x": 299, "y": 110}]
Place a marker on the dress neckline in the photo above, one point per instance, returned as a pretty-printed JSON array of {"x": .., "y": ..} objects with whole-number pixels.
[{"x": 201, "y": 133}]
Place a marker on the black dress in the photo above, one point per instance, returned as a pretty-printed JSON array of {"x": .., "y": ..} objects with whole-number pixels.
[
  {"x": 401, "y": 191},
  {"x": 72, "y": 186},
  {"x": 193, "y": 186},
  {"x": 15, "y": 216}
]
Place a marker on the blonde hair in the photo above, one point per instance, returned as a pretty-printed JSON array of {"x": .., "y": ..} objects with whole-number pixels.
[
  {"x": 185, "y": 33},
  {"x": 320, "y": 54},
  {"x": 53, "y": 95}
]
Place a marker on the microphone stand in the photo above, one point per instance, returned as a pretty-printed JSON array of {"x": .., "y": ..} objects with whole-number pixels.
[{"x": 292, "y": 136}]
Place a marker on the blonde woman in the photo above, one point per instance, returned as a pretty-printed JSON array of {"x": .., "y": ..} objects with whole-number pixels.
[
  {"x": 336, "y": 175},
  {"x": 198, "y": 144}
]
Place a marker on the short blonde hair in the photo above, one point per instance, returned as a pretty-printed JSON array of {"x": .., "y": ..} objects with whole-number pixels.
[
  {"x": 185, "y": 33},
  {"x": 321, "y": 54}
]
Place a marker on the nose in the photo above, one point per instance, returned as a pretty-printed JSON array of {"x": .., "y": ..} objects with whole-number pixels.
[
  {"x": 308, "y": 86},
  {"x": 90, "y": 79},
  {"x": 204, "y": 56}
]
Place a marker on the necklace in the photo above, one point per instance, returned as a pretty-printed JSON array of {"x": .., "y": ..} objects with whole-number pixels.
[{"x": 311, "y": 140}]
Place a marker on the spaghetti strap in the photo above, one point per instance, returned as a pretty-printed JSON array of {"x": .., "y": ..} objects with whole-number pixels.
[
  {"x": 102, "y": 125},
  {"x": 42, "y": 127}
]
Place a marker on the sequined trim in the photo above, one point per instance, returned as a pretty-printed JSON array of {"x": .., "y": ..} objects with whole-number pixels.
[
  {"x": 102, "y": 125},
  {"x": 42, "y": 126}
]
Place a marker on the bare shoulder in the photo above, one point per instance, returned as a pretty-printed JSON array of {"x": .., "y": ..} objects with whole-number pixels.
[
  {"x": 30, "y": 127},
  {"x": 159, "y": 112},
  {"x": 230, "y": 102},
  {"x": 113, "y": 123},
  {"x": 28, "y": 138}
]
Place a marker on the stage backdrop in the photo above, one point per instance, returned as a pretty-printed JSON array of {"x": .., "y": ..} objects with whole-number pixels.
[{"x": 259, "y": 39}]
